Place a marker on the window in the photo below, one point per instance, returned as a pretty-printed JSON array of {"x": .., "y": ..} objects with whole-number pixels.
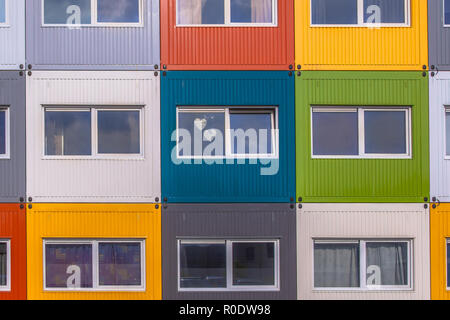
[
  {"x": 4, "y": 133},
  {"x": 226, "y": 12},
  {"x": 94, "y": 264},
  {"x": 388, "y": 13},
  {"x": 5, "y": 265},
  {"x": 3, "y": 12},
  {"x": 362, "y": 264},
  {"x": 219, "y": 132},
  {"x": 446, "y": 11},
  {"x": 92, "y": 132},
  {"x": 447, "y": 133},
  {"x": 228, "y": 265},
  {"x": 92, "y": 13},
  {"x": 448, "y": 263},
  {"x": 361, "y": 132}
]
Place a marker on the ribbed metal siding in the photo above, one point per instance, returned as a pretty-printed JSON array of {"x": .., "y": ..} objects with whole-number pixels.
[
  {"x": 227, "y": 48},
  {"x": 362, "y": 180},
  {"x": 93, "y": 48},
  {"x": 438, "y": 35},
  {"x": 361, "y": 48},
  {"x": 230, "y": 221},
  {"x": 12, "y": 227},
  {"x": 93, "y": 180},
  {"x": 12, "y": 37},
  {"x": 364, "y": 221},
  {"x": 440, "y": 232},
  {"x": 439, "y": 166},
  {"x": 90, "y": 221},
  {"x": 228, "y": 182},
  {"x": 12, "y": 170}
]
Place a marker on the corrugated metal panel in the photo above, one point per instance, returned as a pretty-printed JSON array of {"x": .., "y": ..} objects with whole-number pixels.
[
  {"x": 12, "y": 227},
  {"x": 361, "y": 48},
  {"x": 228, "y": 182},
  {"x": 93, "y": 48},
  {"x": 362, "y": 180},
  {"x": 227, "y": 48},
  {"x": 93, "y": 180},
  {"x": 438, "y": 35},
  {"x": 364, "y": 221},
  {"x": 440, "y": 232},
  {"x": 12, "y": 170},
  {"x": 90, "y": 221},
  {"x": 230, "y": 221},
  {"x": 12, "y": 37},
  {"x": 439, "y": 166}
]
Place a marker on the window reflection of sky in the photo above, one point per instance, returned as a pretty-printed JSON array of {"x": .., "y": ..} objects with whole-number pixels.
[
  {"x": 118, "y": 11},
  {"x": 55, "y": 11}
]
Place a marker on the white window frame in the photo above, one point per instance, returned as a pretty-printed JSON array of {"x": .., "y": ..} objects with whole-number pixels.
[
  {"x": 6, "y": 23},
  {"x": 94, "y": 19},
  {"x": 363, "y": 265},
  {"x": 8, "y": 265},
  {"x": 361, "y": 132},
  {"x": 360, "y": 19},
  {"x": 227, "y": 18},
  {"x": 227, "y": 134},
  {"x": 7, "y": 154},
  {"x": 229, "y": 265},
  {"x": 94, "y": 132},
  {"x": 95, "y": 264},
  {"x": 447, "y": 242}
]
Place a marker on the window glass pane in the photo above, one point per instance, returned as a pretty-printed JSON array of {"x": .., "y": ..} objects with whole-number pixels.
[
  {"x": 334, "y": 12},
  {"x": 336, "y": 265},
  {"x": 2, "y": 132},
  {"x": 118, "y": 11},
  {"x": 201, "y": 11},
  {"x": 448, "y": 265},
  {"x": 2, "y": 11},
  {"x": 335, "y": 133},
  {"x": 203, "y": 266},
  {"x": 384, "y": 11},
  {"x": 67, "y": 133},
  {"x": 119, "y": 264},
  {"x": 447, "y": 12},
  {"x": 385, "y": 132},
  {"x": 251, "y": 11},
  {"x": 67, "y": 11},
  {"x": 68, "y": 266},
  {"x": 387, "y": 263},
  {"x": 248, "y": 128},
  {"x": 204, "y": 128},
  {"x": 3, "y": 264},
  {"x": 447, "y": 132},
  {"x": 119, "y": 132},
  {"x": 253, "y": 264}
]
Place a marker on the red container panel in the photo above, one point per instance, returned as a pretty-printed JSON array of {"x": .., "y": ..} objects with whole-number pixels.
[
  {"x": 227, "y": 48},
  {"x": 13, "y": 228}
]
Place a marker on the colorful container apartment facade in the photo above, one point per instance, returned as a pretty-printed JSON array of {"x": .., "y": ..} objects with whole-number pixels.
[{"x": 224, "y": 149}]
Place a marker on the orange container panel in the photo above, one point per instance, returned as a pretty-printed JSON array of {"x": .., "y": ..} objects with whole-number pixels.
[
  {"x": 360, "y": 47},
  {"x": 227, "y": 47},
  {"x": 90, "y": 222},
  {"x": 12, "y": 230}
]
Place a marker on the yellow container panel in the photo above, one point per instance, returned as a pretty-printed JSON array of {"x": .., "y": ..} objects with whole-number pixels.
[
  {"x": 361, "y": 48},
  {"x": 94, "y": 221},
  {"x": 440, "y": 232}
]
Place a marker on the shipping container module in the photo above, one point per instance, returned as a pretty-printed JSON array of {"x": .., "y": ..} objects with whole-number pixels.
[
  {"x": 93, "y": 136},
  {"x": 227, "y": 35},
  {"x": 363, "y": 251},
  {"x": 12, "y": 34},
  {"x": 227, "y": 136},
  {"x": 13, "y": 255},
  {"x": 229, "y": 251},
  {"x": 362, "y": 136},
  {"x": 439, "y": 34},
  {"x": 92, "y": 35},
  {"x": 361, "y": 35},
  {"x": 12, "y": 136},
  {"x": 94, "y": 251}
]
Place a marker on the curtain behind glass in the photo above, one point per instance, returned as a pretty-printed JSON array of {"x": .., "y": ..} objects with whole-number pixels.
[
  {"x": 3, "y": 264},
  {"x": 261, "y": 11},
  {"x": 387, "y": 263},
  {"x": 336, "y": 265},
  {"x": 189, "y": 11}
]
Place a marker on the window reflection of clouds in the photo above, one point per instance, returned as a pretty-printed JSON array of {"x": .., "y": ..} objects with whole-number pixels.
[
  {"x": 55, "y": 11},
  {"x": 118, "y": 11}
]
